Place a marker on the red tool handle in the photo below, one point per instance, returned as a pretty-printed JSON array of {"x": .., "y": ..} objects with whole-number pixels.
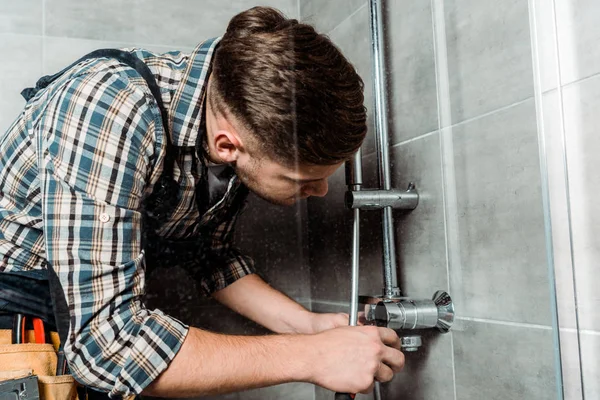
[
  {"x": 344, "y": 396},
  {"x": 39, "y": 331}
]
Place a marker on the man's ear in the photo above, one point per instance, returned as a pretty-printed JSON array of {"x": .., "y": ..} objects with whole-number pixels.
[{"x": 227, "y": 145}]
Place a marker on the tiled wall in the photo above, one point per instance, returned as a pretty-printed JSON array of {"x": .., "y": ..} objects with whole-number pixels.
[
  {"x": 569, "y": 66},
  {"x": 41, "y": 36},
  {"x": 464, "y": 129}
]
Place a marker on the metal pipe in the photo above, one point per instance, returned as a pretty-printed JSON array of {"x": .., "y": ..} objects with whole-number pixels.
[
  {"x": 382, "y": 141},
  {"x": 377, "y": 391},
  {"x": 378, "y": 199},
  {"x": 355, "y": 268},
  {"x": 354, "y": 182}
]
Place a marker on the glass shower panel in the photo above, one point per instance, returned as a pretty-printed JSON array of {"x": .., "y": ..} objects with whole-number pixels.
[{"x": 467, "y": 111}]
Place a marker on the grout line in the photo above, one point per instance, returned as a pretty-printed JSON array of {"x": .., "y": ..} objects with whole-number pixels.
[
  {"x": 473, "y": 119},
  {"x": 330, "y": 303},
  {"x": 575, "y": 82},
  {"x": 580, "y": 80},
  {"x": 423, "y": 136},
  {"x": 507, "y": 323},
  {"x": 33, "y": 35},
  {"x": 472, "y": 319},
  {"x": 585, "y": 332},
  {"x": 347, "y": 18},
  {"x": 490, "y": 113}
]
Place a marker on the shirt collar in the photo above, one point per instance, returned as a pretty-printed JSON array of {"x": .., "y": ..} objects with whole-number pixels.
[{"x": 185, "y": 112}]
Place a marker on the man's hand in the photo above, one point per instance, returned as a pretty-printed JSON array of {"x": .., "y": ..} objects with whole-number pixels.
[
  {"x": 348, "y": 360},
  {"x": 324, "y": 322},
  {"x": 351, "y": 359}
]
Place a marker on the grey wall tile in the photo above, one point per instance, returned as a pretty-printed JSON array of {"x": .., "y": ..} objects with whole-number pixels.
[
  {"x": 546, "y": 43},
  {"x": 291, "y": 391},
  {"x": 22, "y": 69},
  {"x": 581, "y": 102},
  {"x": 590, "y": 348},
  {"x": 427, "y": 373},
  {"x": 490, "y": 366},
  {"x": 325, "y": 15},
  {"x": 149, "y": 22},
  {"x": 278, "y": 244},
  {"x": 420, "y": 235},
  {"x": 411, "y": 66},
  {"x": 578, "y": 36},
  {"x": 570, "y": 363},
  {"x": 329, "y": 233},
  {"x": 330, "y": 307},
  {"x": 500, "y": 217},
  {"x": 489, "y": 55},
  {"x": 353, "y": 38},
  {"x": 24, "y": 16},
  {"x": 561, "y": 231},
  {"x": 60, "y": 52}
]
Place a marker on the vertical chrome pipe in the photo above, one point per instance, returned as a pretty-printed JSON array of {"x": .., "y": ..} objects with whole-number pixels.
[
  {"x": 377, "y": 391},
  {"x": 382, "y": 141},
  {"x": 355, "y": 268},
  {"x": 354, "y": 182}
]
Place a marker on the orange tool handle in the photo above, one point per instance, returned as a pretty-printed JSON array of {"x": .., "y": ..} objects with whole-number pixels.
[{"x": 39, "y": 331}]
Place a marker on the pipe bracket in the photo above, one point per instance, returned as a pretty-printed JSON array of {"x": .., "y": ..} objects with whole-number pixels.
[{"x": 369, "y": 199}]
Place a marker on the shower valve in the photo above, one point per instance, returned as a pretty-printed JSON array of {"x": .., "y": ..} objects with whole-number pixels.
[{"x": 403, "y": 313}]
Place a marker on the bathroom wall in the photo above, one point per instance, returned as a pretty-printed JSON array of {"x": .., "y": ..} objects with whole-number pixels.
[
  {"x": 41, "y": 36},
  {"x": 464, "y": 129},
  {"x": 567, "y": 34}
]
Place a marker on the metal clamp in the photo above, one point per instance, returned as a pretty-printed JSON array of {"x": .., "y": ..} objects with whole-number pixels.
[{"x": 378, "y": 199}]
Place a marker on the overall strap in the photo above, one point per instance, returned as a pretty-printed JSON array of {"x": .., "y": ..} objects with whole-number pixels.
[{"x": 166, "y": 185}]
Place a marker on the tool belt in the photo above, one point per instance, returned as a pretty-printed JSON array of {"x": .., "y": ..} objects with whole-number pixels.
[{"x": 31, "y": 365}]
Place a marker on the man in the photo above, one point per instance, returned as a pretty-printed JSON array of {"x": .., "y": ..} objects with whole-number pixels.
[{"x": 97, "y": 186}]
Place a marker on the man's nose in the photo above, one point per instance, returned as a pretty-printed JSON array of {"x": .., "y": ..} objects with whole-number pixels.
[{"x": 318, "y": 189}]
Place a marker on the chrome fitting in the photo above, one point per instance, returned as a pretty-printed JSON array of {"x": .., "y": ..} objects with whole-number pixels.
[
  {"x": 405, "y": 313},
  {"x": 376, "y": 199},
  {"x": 410, "y": 343}
]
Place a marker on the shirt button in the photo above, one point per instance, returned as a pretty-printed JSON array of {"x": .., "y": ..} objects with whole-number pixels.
[{"x": 104, "y": 217}]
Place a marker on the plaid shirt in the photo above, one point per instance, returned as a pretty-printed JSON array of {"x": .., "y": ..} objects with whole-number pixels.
[{"x": 74, "y": 169}]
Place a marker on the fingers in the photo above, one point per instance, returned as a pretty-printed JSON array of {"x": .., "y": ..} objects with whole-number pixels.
[
  {"x": 342, "y": 319},
  {"x": 393, "y": 359},
  {"x": 389, "y": 338},
  {"x": 384, "y": 373}
]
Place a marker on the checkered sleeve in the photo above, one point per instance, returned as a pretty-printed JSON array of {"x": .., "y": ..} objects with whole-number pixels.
[
  {"x": 97, "y": 140},
  {"x": 226, "y": 264}
]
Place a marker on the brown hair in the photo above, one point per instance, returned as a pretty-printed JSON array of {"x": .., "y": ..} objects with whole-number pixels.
[{"x": 291, "y": 87}]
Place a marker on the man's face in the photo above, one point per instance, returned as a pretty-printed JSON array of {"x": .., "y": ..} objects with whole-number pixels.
[{"x": 283, "y": 185}]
